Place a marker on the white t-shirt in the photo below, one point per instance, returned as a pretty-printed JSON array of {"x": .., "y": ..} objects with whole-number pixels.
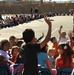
[
  {"x": 4, "y": 54},
  {"x": 63, "y": 40}
]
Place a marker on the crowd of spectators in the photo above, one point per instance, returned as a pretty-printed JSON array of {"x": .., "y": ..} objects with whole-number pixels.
[
  {"x": 59, "y": 56},
  {"x": 16, "y": 19}
]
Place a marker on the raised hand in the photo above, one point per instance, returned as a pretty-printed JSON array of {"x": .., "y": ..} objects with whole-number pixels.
[
  {"x": 47, "y": 20},
  {"x": 60, "y": 29}
]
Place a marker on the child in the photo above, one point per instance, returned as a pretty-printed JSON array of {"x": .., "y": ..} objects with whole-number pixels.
[
  {"x": 62, "y": 36},
  {"x": 4, "y": 57},
  {"x": 15, "y": 52},
  {"x": 55, "y": 45},
  {"x": 51, "y": 54},
  {"x": 12, "y": 40},
  {"x": 19, "y": 59},
  {"x": 19, "y": 43},
  {"x": 18, "y": 67},
  {"x": 64, "y": 58},
  {"x": 43, "y": 59},
  {"x": 30, "y": 49}
]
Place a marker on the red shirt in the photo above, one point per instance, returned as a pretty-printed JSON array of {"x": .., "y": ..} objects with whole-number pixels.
[
  {"x": 13, "y": 58},
  {"x": 60, "y": 63}
]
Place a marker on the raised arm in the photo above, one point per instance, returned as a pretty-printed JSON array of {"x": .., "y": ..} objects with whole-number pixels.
[
  {"x": 59, "y": 31},
  {"x": 40, "y": 37},
  {"x": 3, "y": 61},
  {"x": 48, "y": 36}
]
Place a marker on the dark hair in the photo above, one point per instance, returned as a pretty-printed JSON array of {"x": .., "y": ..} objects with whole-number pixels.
[
  {"x": 3, "y": 42},
  {"x": 67, "y": 51},
  {"x": 44, "y": 49},
  {"x": 19, "y": 43},
  {"x": 66, "y": 48},
  {"x": 64, "y": 33},
  {"x": 51, "y": 39},
  {"x": 28, "y": 34},
  {"x": 73, "y": 38},
  {"x": 12, "y": 37},
  {"x": 14, "y": 47}
]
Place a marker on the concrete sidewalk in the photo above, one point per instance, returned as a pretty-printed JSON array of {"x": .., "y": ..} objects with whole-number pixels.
[{"x": 39, "y": 26}]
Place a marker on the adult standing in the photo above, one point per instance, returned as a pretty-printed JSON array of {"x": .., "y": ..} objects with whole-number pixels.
[{"x": 30, "y": 49}]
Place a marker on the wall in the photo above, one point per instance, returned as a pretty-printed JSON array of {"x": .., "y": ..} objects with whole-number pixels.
[{"x": 25, "y": 8}]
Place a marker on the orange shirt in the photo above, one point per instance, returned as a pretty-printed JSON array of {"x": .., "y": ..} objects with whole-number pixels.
[{"x": 55, "y": 45}]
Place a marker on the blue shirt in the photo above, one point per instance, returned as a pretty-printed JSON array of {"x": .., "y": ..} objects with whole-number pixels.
[{"x": 41, "y": 58}]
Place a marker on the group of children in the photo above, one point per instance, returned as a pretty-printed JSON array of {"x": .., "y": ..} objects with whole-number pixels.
[
  {"x": 61, "y": 51},
  {"x": 33, "y": 53},
  {"x": 9, "y": 52},
  {"x": 64, "y": 51}
]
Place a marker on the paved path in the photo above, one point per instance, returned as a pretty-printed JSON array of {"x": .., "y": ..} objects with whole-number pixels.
[{"x": 39, "y": 26}]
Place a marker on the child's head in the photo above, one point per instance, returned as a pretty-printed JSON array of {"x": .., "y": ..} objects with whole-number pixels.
[
  {"x": 29, "y": 36},
  {"x": 64, "y": 49},
  {"x": 53, "y": 40},
  {"x": 51, "y": 52},
  {"x": 63, "y": 34},
  {"x": 15, "y": 50},
  {"x": 19, "y": 43},
  {"x": 5, "y": 45},
  {"x": 12, "y": 38}
]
